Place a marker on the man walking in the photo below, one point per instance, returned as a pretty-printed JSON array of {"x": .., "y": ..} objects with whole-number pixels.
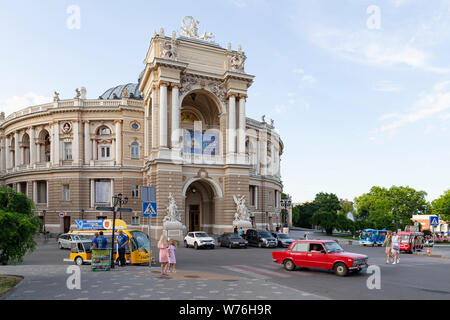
[{"x": 122, "y": 241}]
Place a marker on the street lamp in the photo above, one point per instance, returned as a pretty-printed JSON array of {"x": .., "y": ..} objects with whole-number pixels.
[{"x": 117, "y": 201}]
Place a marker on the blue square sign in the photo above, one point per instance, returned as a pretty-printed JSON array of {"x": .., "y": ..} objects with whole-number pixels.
[
  {"x": 434, "y": 221},
  {"x": 149, "y": 210}
]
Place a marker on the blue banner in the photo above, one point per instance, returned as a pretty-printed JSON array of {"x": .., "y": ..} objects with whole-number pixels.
[{"x": 90, "y": 224}]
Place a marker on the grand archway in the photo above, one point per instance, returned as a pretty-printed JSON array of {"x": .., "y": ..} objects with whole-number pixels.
[{"x": 200, "y": 205}]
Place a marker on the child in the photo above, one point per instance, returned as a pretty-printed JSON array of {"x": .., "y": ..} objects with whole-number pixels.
[{"x": 172, "y": 260}]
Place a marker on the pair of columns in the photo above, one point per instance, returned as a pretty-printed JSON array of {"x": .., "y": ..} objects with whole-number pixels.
[
  {"x": 238, "y": 125},
  {"x": 163, "y": 112}
]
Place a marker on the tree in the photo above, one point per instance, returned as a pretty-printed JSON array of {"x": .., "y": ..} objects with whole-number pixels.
[
  {"x": 327, "y": 206},
  {"x": 441, "y": 206},
  {"x": 390, "y": 208},
  {"x": 18, "y": 225},
  {"x": 301, "y": 214}
]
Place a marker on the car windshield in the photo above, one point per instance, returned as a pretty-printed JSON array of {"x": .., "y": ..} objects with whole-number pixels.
[
  {"x": 141, "y": 239},
  {"x": 333, "y": 247},
  {"x": 201, "y": 235},
  {"x": 283, "y": 236},
  {"x": 404, "y": 238},
  {"x": 265, "y": 234},
  {"x": 84, "y": 237}
]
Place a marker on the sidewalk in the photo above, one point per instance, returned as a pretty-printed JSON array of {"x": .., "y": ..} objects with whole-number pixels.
[{"x": 435, "y": 253}]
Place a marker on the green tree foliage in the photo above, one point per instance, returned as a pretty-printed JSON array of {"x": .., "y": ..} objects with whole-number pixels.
[
  {"x": 17, "y": 226},
  {"x": 389, "y": 208},
  {"x": 441, "y": 206},
  {"x": 301, "y": 214},
  {"x": 327, "y": 216}
]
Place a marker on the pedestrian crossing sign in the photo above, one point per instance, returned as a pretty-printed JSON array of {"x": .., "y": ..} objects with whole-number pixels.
[
  {"x": 149, "y": 210},
  {"x": 434, "y": 221}
]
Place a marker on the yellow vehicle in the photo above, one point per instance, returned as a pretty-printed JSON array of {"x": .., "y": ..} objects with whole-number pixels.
[{"x": 137, "y": 252}]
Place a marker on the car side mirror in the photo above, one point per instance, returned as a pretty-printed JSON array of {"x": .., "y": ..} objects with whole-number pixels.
[{"x": 323, "y": 251}]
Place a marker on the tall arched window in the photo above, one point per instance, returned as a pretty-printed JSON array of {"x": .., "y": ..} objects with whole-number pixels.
[
  {"x": 135, "y": 150},
  {"x": 104, "y": 143}
]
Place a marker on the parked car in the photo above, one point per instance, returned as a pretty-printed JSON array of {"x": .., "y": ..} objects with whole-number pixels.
[
  {"x": 66, "y": 240},
  {"x": 260, "y": 238},
  {"x": 320, "y": 254},
  {"x": 199, "y": 240},
  {"x": 232, "y": 240},
  {"x": 283, "y": 240}
]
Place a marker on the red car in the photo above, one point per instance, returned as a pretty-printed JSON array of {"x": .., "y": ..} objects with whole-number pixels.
[{"x": 320, "y": 254}]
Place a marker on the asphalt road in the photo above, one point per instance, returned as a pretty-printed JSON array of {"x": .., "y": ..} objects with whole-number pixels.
[{"x": 254, "y": 276}]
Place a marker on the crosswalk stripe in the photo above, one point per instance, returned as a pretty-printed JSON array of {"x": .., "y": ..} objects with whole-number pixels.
[
  {"x": 253, "y": 274},
  {"x": 268, "y": 272}
]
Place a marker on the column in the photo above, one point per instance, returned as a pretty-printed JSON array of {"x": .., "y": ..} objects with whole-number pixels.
[
  {"x": 231, "y": 124},
  {"x": 146, "y": 127},
  {"x": 2, "y": 152},
  {"x": 38, "y": 152},
  {"x": 263, "y": 152},
  {"x": 153, "y": 117},
  {"x": 256, "y": 197},
  {"x": 175, "y": 134},
  {"x": 241, "y": 136},
  {"x": 16, "y": 149},
  {"x": 56, "y": 143},
  {"x": 118, "y": 150},
  {"x": 94, "y": 150},
  {"x": 163, "y": 115},
  {"x": 32, "y": 147},
  {"x": 76, "y": 143},
  {"x": 7, "y": 153},
  {"x": 35, "y": 191},
  {"x": 92, "y": 193},
  {"x": 87, "y": 143},
  {"x": 112, "y": 192}
]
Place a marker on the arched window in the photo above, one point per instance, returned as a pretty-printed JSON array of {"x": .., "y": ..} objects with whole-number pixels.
[
  {"x": 104, "y": 131},
  {"x": 135, "y": 150}
]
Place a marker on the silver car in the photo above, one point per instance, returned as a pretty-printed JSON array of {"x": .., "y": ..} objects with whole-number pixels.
[{"x": 66, "y": 239}]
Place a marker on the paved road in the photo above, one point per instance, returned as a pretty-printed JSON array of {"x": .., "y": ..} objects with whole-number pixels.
[{"x": 225, "y": 273}]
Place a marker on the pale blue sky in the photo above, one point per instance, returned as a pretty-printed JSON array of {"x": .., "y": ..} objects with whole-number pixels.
[{"x": 355, "y": 107}]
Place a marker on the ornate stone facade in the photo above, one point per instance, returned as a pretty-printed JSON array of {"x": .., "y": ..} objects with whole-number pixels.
[{"x": 182, "y": 128}]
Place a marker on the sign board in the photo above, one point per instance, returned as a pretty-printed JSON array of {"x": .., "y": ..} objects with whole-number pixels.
[
  {"x": 62, "y": 214},
  {"x": 149, "y": 210},
  {"x": 434, "y": 221},
  {"x": 148, "y": 194},
  {"x": 105, "y": 224},
  {"x": 101, "y": 260}
]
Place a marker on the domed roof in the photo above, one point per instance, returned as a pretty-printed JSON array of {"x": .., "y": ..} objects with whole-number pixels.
[{"x": 116, "y": 92}]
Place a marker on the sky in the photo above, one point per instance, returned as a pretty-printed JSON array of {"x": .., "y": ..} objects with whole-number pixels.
[{"x": 359, "y": 90}]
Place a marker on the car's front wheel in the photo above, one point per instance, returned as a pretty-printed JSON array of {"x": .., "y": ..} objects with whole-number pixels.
[
  {"x": 289, "y": 265},
  {"x": 78, "y": 261},
  {"x": 341, "y": 269},
  {"x": 60, "y": 246}
]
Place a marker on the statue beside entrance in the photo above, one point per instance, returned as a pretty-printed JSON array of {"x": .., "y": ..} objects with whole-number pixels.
[
  {"x": 241, "y": 217},
  {"x": 172, "y": 225}
]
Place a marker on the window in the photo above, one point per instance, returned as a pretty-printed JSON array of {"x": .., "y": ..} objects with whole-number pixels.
[
  {"x": 41, "y": 191},
  {"x": 135, "y": 126},
  {"x": 301, "y": 247},
  {"x": 66, "y": 192},
  {"x": 135, "y": 150},
  {"x": 252, "y": 194},
  {"x": 276, "y": 199},
  {"x": 105, "y": 152},
  {"x": 269, "y": 197},
  {"x": 67, "y": 150},
  {"x": 101, "y": 218},
  {"x": 135, "y": 191},
  {"x": 102, "y": 191},
  {"x": 135, "y": 221}
]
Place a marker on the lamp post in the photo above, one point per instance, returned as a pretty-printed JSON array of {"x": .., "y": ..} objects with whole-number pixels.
[
  {"x": 117, "y": 201},
  {"x": 43, "y": 220}
]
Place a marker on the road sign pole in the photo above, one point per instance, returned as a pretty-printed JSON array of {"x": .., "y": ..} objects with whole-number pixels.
[
  {"x": 150, "y": 243},
  {"x": 112, "y": 237}
]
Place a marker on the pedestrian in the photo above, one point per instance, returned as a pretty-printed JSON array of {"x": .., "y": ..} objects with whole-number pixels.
[
  {"x": 172, "y": 259},
  {"x": 235, "y": 230},
  {"x": 241, "y": 232},
  {"x": 122, "y": 241},
  {"x": 163, "y": 255},
  {"x": 388, "y": 245},
  {"x": 95, "y": 241},
  {"x": 395, "y": 248},
  {"x": 101, "y": 241}
]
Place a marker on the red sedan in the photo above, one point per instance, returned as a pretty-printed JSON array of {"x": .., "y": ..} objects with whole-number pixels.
[{"x": 320, "y": 254}]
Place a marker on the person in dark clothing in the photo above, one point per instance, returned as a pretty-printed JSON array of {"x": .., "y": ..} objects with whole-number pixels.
[{"x": 122, "y": 241}]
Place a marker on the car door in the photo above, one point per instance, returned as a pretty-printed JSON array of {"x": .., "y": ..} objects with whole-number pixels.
[
  {"x": 317, "y": 256},
  {"x": 298, "y": 253},
  {"x": 251, "y": 237},
  {"x": 65, "y": 241},
  {"x": 189, "y": 239}
]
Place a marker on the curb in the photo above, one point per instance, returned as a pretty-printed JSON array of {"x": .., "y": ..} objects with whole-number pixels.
[
  {"x": 13, "y": 289},
  {"x": 432, "y": 255}
]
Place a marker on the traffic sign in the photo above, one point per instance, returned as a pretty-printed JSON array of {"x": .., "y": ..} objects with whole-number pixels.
[
  {"x": 62, "y": 214},
  {"x": 434, "y": 221},
  {"x": 149, "y": 210}
]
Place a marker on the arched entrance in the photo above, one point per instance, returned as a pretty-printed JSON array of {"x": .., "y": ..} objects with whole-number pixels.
[{"x": 200, "y": 205}]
